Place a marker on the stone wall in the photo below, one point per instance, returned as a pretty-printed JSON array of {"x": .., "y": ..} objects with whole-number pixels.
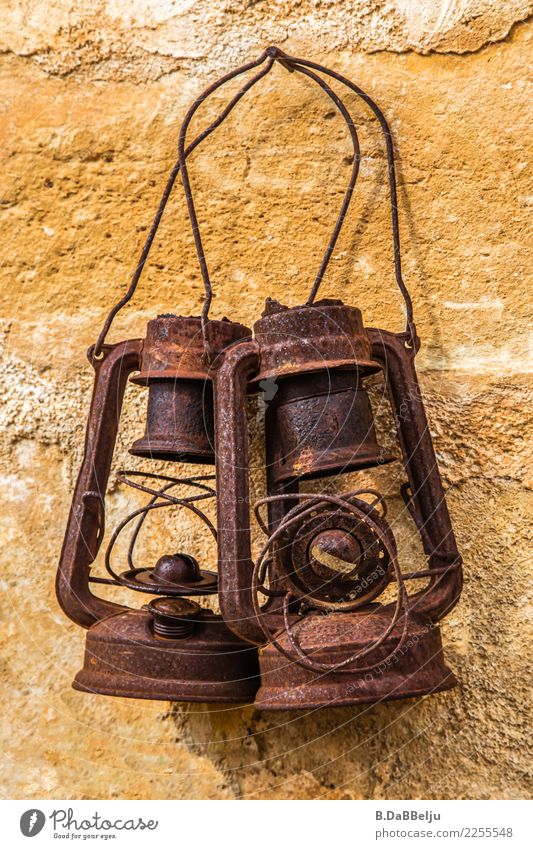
[{"x": 92, "y": 98}]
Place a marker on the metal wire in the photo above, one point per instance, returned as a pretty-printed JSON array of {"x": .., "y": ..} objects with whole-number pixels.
[
  {"x": 302, "y": 66},
  {"x": 168, "y": 189},
  {"x": 154, "y": 504},
  {"x": 302, "y": 658}
]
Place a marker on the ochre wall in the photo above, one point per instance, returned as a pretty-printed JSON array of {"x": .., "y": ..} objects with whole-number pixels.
[{"x": 92, "y": 98}]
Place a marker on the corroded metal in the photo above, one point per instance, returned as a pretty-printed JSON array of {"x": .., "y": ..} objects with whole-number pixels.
[
  {"x": 174, "y": 618},
  {"x": 415, "y": 670},
  {"x": 173, "y": 574},
  {"x": 179, "y": 422},
  {"x": 426, "y": 498},
  {"x": 124, "y": 657},
  {"x": 86, "y": 522},
  {"x": 310, "y": 339},
  {"x": 312, "y": 599},
  {"x": 357, "y": 635},
  {"x": 330, "y": 555},
  {"x": 318, "y": 417},
  {"x": 319, "y": 425}
]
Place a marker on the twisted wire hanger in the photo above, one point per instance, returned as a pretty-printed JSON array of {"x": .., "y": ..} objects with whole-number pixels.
[
  {"x": 307, "y": 68},
  {"x": 97, "y": 350},
  {"x": 291, "y": 60},
  {"x": 273, "y": 54}
]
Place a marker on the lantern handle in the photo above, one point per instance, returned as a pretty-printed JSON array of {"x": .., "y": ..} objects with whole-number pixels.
[
  {"x": 274, "y": 54},
  {"x": 410, "y": 325},
  {"x": 97, "y": 350},
  {"x": 271, "y": 54}
]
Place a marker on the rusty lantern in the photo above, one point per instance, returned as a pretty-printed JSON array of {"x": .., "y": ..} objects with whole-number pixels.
[{"x": 321, "y": 614}]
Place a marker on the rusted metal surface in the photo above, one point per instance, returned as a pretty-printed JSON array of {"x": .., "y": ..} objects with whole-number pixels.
[
  {"x": 415, "y": 672},
  {"x": 235, "y": 564},
  {"x": 426, "y": 497},
  {"x": 179, "y": 423},
  {"x": 319, "y": 421},
  {"x": 310, "y": 598},
  {"x": 86, "y": 522},
  {"x": 173, "y": 574},
  {"x": 124, "y": 654},
  {"x": 290, "y": 553},
  {"x": 123, "y": 657},
  {"x": 174, "y": 618},
  {"x": 173, "y": 347},
  {"x": 330, "y": 556}
]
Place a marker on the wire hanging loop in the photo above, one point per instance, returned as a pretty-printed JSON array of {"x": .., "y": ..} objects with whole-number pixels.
[
  {"x": 274, "y": 54},
  {"x": 270, "y": 55},
  {"x": 97, "y": 349},
  {"x": 410, "y": 324}
]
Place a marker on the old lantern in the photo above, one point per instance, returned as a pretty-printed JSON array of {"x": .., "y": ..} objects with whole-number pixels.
[{"x": 310, "y": 619}]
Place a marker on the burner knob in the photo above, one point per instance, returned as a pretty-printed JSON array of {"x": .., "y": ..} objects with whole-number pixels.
[
  {"x": 176, "y": 569},
  {"x": 174, "y": 618},
  {"x": 336, "y": 554}
]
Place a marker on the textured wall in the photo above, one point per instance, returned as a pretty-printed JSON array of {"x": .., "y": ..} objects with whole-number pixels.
[{"x": 92, "y": 97}]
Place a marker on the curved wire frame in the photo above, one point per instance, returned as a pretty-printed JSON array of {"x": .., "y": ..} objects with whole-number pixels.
[
  {"x": 170, "y": 184},
  {"x": 297, "y": 654},
  {"x": 160, "y": 498},
  {"x": 307, "y": 68}
]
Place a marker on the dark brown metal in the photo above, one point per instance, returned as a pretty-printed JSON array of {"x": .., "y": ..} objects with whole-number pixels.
[
  {"x": 321, "y": 425},
  {"x": 428, "y": 501},
  {"x": 123, "y": 657},
  {"x": 174, "y": 618},
  {"x": 86, "y": 522},
  {"x": 301, "y": 340},
  {"x": 416, "y": 669},
  {"x": 173, "y": 575},
  {"x": 332, "y": 558},
  {"x": 234, "y": 370},
  {"x": 179, "y": 423},
  {"x": 302, "y": 582},
  {"x": 327, "y": 558},
  {"x": 319, "y": 421}
]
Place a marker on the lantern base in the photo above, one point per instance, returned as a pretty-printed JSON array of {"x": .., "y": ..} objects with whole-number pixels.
[
  {"x": 414, "y": 669},
  {"x": 123, "y": 657}
]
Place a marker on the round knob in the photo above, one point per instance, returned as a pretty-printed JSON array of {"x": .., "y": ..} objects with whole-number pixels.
[
  {"x": 174, "y": 617},
  {"x": 176, "y": 569},
  {"x": 335, "y": 553}
]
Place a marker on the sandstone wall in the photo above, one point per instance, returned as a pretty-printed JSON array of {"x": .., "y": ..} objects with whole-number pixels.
[{"x": 92, "y": 97}]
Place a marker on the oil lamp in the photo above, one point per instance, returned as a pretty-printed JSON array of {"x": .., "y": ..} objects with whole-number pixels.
[{"x": 307, "y": 621}]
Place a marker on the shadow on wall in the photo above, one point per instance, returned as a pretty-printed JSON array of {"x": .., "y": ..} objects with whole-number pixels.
[{"x": 360, "y": 752}]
